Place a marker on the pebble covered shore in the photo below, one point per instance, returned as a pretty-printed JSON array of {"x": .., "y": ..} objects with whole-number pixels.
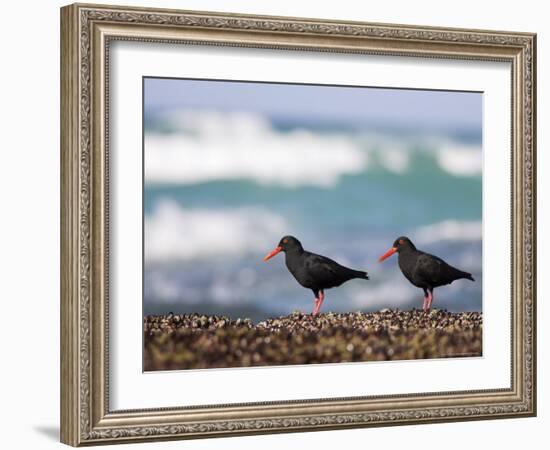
[{"x": 195, "y": 341}]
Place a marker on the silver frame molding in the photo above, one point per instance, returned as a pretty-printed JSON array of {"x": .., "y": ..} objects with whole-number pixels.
[{"x": 86, "y": 31}]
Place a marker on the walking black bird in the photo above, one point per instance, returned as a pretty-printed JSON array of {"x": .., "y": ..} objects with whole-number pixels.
[
  {"x": 313, "y": 271},
  {"x": 422, "y": 269}
]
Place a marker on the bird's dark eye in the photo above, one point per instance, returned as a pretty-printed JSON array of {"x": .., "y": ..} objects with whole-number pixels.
[
  {"x": 401, "y": 241},
  {"x": 285, "y": 241}
]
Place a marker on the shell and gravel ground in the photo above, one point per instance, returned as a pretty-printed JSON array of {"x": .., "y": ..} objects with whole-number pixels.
[{"x": 194, "y": 341}]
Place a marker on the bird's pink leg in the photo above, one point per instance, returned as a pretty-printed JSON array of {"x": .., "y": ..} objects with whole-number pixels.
[
  {"x": 316, "y": 307},
  {"x": 318, "y": 303},
  {"x": 430, "y": 299},
  {"x": 425, "y": 303}
]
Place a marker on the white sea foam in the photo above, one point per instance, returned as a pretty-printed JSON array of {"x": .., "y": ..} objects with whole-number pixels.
[
  {"x": 395, "y": 160},
  {"x": 460, "y": 160},
  {"x": 175, "y": 233},
  {"x": 394, "y": 291},
  {"x": 206, "y": 146},
  {"x": 230, "y": 146},
  {"x": 215, "y": 122},
  {"x": 449, "y": 230}
]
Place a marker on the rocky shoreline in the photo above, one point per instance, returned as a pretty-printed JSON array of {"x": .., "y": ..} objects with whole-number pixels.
[{"x": 195, "y": 341}]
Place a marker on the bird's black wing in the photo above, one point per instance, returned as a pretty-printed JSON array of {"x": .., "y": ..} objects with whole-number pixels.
[
  {"x": 323, "y": 269},
  {"x": 329, "y": 271},
  {"x": 434, "y": 271}
]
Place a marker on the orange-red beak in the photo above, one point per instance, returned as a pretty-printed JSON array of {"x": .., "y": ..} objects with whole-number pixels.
[
  {"x": 386, "y": 255},
  {"x": 272, "y": 253}
]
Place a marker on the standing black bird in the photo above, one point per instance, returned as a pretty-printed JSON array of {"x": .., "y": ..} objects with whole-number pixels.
[
  {"x": 422, "y": 269},
  {"x": 313, "y": 271}
]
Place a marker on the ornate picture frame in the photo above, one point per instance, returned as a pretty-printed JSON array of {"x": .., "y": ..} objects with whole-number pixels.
[{"x": 87, "y": 32}]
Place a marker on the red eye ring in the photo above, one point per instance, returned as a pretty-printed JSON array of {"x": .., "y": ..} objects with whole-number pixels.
[
  {"x": 401, "y": 241},
  {"x": 285, "y": 241}
]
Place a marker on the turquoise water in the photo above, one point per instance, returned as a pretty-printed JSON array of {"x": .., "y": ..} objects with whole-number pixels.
[{"x": 220, "y": 192}]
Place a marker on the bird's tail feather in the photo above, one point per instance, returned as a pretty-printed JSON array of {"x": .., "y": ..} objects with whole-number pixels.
[
  {"x": 361, "y": 274},
  {"x": 468, "y": 276}
]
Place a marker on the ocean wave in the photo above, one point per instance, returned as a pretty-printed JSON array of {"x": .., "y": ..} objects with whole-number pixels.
[
  {"x": 176, "y": 233},
  {"x": 205, "y": 146},
  {"x": 460, "y": 160},
  {"x": 394, "y": 160},
  {"x": 449, "y": 230},
  {"x": 392, "y": 293},
  {"x": 208, "y": 270},
  {"x": 397, "y": 292},
  {"x": 235, "y": 146}
]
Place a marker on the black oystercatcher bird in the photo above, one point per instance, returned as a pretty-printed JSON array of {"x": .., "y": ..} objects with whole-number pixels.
[
  {"x": 422, "y": 269},
  {"x": 313, "y": 271}
]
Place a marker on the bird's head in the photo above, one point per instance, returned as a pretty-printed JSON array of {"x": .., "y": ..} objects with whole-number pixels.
[
  {"x": 287, "y": 243},
  {"x": 400, "y": 244}
]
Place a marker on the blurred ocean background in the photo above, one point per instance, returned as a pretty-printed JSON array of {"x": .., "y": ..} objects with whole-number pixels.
[{"x": 232, "y": 167}]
